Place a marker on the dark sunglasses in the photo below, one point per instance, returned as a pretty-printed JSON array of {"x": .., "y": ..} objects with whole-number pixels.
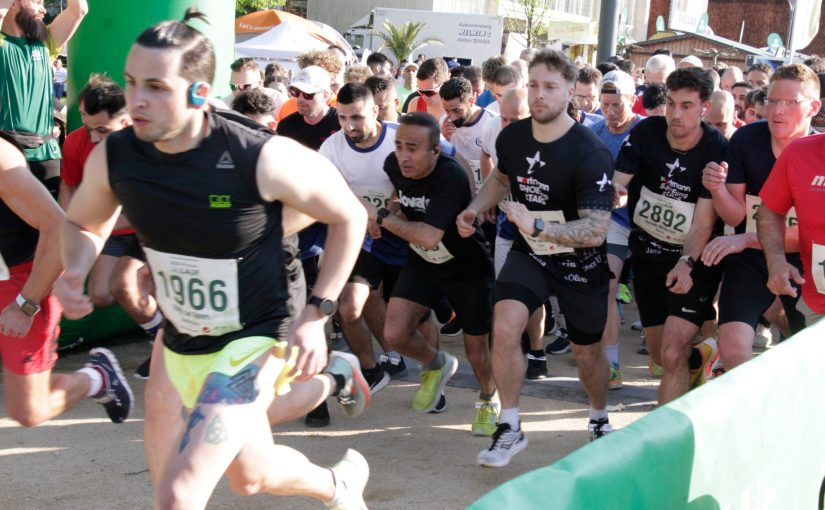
[
  {"x": 428, "y": 92},
  {"x": 243, "y": 88},
  {"x": 297, "y": 93}
]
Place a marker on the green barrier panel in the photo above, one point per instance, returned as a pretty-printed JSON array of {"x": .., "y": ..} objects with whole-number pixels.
[
  {"x": 111, "y": 27},
  {"x": 101, "y": 324},
  {"x": 749, "y": 440}
]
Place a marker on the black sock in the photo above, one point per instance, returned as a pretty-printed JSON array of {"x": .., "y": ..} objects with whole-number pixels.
[
  {"x": 537, "y": 354},
  {"x": 695, "y": 359},
  {"x": 340, "y": 382}
]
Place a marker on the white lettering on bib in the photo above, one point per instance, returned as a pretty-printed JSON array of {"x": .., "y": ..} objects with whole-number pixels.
[
  {"x": 4, "y": 270},
  {"x": 818, "y": 266},
  {"x": 437, "y": 255},
  {"x": 752, "y": 204},
  {"x": 198, "y": 296},
  {"x": 376, "y": 197},
  {"x": 540, "y": 247},
  {"x": 664, "y": 218}
]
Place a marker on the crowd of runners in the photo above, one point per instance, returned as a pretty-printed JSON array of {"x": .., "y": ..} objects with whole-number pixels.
[{"x": 505, "y": 201}]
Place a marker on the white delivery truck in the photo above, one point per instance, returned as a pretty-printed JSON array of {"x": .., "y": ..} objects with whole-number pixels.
[{"x": 471, "y": 38}]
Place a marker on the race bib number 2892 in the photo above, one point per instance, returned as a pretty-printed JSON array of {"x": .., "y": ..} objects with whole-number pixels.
[{"x": 198, "y": 296}]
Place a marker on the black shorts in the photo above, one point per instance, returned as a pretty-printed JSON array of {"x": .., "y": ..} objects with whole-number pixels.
[
  {"x": 371, "y": 271},
  {"x": 124, "y": 245},
  {"x": 744, "y": 295},
  {"x": 583, "y": 300},
  {"x": 472, "y": 300},
  {"x": 655, "y": 301}
]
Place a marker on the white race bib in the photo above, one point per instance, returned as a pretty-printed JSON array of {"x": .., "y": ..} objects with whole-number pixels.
[
  {"x": 376, "y": 197},
  {"x": 4, "y": 270},
  {"x": 752, "y": 204},
  {"x": 198, "y": 296},
  {"x": 818, "y": 266},
  {"x": 664, "y": 218},
  {"x": 475, "y": 166},
  {"x": 437, "y": 255},
  {"x": 546, "y": 247}
]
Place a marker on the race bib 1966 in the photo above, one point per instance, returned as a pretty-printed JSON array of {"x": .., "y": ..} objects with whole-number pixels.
[
  {"x": 198, "y": 296},
  {"x": 546, "y": 247},
  {"x": 4, "y": 270},
  {"x": 818, "y": 266},
  {"x": 664, "y": 218},
  {"x": 752, "y": 204},
  {"x": 377, "y": 197},
  {"x": 437, "y": 255}
]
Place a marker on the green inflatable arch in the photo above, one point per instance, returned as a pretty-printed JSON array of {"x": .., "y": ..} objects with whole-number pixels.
[{"x": 100, "y": 46}]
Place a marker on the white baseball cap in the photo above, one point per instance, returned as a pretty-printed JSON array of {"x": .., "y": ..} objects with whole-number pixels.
[
  {"x": 311, "y": 79},
  {"x": 620, "y": 81},
  {"x": 693, "y": 60}
]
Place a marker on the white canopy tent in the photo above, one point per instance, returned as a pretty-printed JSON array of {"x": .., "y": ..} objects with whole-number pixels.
[{"x": 284, "y": 42}]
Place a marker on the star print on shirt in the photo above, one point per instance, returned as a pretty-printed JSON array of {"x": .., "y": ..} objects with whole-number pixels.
[
  {"x": 604, "y": 182},
  {"x": 535, "y": 159},
  {"x": 674, "y": 166}
]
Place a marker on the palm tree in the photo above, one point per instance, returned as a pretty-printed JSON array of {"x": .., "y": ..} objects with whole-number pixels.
[{"x": 402, "y": 41}]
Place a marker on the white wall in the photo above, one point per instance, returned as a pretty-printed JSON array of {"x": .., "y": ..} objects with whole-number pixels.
[{"x": 340, "y": 14}]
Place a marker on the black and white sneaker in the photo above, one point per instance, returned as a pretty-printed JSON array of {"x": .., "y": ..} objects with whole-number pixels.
[
  {"x": 393, "y": 366},
  {"x": 560, "y": 345},
  {"x": 318, "y": 417},
  {"x": 452, "y": 328},
  {"x": 536, "y": 367},
  {"x": 377, "y": 379},
  {"x": 599, "y": 428},
  {"x": 441, "y": 406},
  {"x": 115, "y": 394},
  {"x": 142, "y": 372},
  {"x": 506, "y": 443}
]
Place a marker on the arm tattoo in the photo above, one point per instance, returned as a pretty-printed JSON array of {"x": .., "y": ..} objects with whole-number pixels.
[{"x": 589, "y": 231}]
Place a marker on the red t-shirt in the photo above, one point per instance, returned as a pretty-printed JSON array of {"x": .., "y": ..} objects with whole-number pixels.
[
  {"x": 639, "y": 107},
  {"x": 798, "y": 180},
  {"x": 76, "y": 149}
]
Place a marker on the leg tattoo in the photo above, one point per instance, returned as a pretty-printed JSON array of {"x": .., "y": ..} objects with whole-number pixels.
[
  {"x": 216, "y": 432},
  {"x": 195, "y": 418},
  {"x": 241, "y": 388}
]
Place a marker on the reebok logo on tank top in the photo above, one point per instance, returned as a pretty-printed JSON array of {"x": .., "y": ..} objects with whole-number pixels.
[{"x": 225, "y": 163}]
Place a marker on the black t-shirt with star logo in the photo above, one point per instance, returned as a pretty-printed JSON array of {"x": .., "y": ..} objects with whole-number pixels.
[
  {"x": 661, "y": 171},
  {"x": 570, "y": 174}
]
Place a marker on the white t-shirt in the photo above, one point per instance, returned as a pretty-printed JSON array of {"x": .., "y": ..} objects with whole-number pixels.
[
  {"x": 488, "y": 139},
  {"x": 467, "y": 141},
  {"x": 363, "y": 169},
  {"x": 494, "y": 107}
]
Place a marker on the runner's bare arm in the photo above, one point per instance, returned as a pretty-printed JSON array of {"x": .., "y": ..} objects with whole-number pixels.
[
  {"x": 91, "y": 216},
  {"x": 416, "y": 232},
  {"x": 468, "y": 169},
  {"x": 770, "y": 226},
  {"x": 620, "y": 182},
  {"x": 29, "y": 199},
  {"x": 701, "y": 229},
  {"x": 294, "y": 221},
  {"x": 4, "y": 8},
  {"x": 65, "y": 24},
  {"x": 492, "y": 191}
]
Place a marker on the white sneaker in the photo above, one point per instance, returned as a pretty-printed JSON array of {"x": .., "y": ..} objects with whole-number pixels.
[
  {"x": 351, "y": 474},
  {"x": 763, "y": 337},
  {"x": 599, "y": 428},
  {"x": 506, "y": 443}
]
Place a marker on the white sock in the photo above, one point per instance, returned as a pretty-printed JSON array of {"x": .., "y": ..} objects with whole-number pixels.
[
  {"x": 510, "y": 417},
  {"x": 611, "y": 352},
  {"x": 155, "y": 322},
  {"x": 598, "y": 414},
  {"x": 95, "y": 380}
]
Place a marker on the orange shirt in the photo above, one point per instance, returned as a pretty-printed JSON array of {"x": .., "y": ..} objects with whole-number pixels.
[{"x": 291, "y": 106}]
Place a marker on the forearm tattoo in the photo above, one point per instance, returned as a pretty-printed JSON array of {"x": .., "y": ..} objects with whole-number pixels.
[{"x": 588, "y": 231}]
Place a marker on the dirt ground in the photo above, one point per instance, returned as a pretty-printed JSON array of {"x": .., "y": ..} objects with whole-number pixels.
[{"x": 81, "y": 460}]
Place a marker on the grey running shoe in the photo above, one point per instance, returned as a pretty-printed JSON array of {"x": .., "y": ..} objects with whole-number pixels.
[
  {"x": 351, "y": 474},
  {"x": 354, "y": 397},
  {"x": 506, "y": 443}
]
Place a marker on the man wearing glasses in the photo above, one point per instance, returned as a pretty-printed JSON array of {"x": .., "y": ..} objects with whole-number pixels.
[
  {"x": 735, "y": 186},
  {"x": 247, "y": 75},
  {"x": 432, "y": 73}
]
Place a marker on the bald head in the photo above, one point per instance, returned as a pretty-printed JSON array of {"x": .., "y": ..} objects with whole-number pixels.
[
  {"x": 730, "y": 76},
  {"x": 513, "y": 106},
  {"x": 721, "y": 113}
]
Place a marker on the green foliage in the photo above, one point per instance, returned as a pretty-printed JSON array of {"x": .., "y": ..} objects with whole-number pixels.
[
  {"x": 534, "y": 12},
  {"x": 403, "y": 40},
  {"x": 246, "y": 6}
]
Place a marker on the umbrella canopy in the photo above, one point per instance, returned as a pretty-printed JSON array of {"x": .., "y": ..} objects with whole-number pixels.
[{"x": 262, "y": 22}]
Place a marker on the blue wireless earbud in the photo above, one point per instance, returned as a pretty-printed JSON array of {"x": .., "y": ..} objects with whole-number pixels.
[{"x": 194, "y": 98}]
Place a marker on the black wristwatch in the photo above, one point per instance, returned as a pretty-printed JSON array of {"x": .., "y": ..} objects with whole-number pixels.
[
  {"x": 28, "y": 307},
  {"x": 380, "y": 215},
  {"x": 538, "y": 227},
  {"x": 327, "y": 307},
  {"x": 687, "y": 259}
]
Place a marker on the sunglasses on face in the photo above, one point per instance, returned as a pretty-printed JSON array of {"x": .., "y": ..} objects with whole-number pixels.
[
  {"x": 298, "y": 93},
  {"x": 242, "y": 87},
  {"x": 428, "y": 92}
]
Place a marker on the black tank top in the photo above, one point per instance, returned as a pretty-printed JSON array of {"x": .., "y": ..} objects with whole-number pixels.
[
  {"x": 205, "y": 203},
  {"x": 18, "y": 239}
]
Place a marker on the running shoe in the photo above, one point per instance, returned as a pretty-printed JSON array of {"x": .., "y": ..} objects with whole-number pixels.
[
  {"x": 443, "y": 313},
  {"x": 115, "y": 395},
  {"x": 506, "y": 443},
  {"x": 484, "y": 422},
  {"x": 351, "y": 474},
  {"x": 318, "y": 417},
  {"x": 560, "y": 345},
  {"x": 337, "y": 340},
  {"x": 623, "y": 294},
  {"x": 441, "y": 406},
  {"x": 710, "y": 366},
  {"x": 550, "y": 324},
  {"x": 433, "y": 383},
  {"x": 642, "y": 348},
  {"x": 599, "y": 428},
  {"x": 377, "y": 379},
  {"x": 615, "y": 382},
  {"x": 708, "y": 350},
  {"x": 393, "y": 366},
  {"x": 354, "y": 397},
  {"x": 452, "y": 328},
  {"x": 536, "y": 367},
  {"x": 654, "y": 368},
  {"x": 762, "y": 338},
  {"x": 142, "y": 372},
  {"x": 637, "y": 326}
]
